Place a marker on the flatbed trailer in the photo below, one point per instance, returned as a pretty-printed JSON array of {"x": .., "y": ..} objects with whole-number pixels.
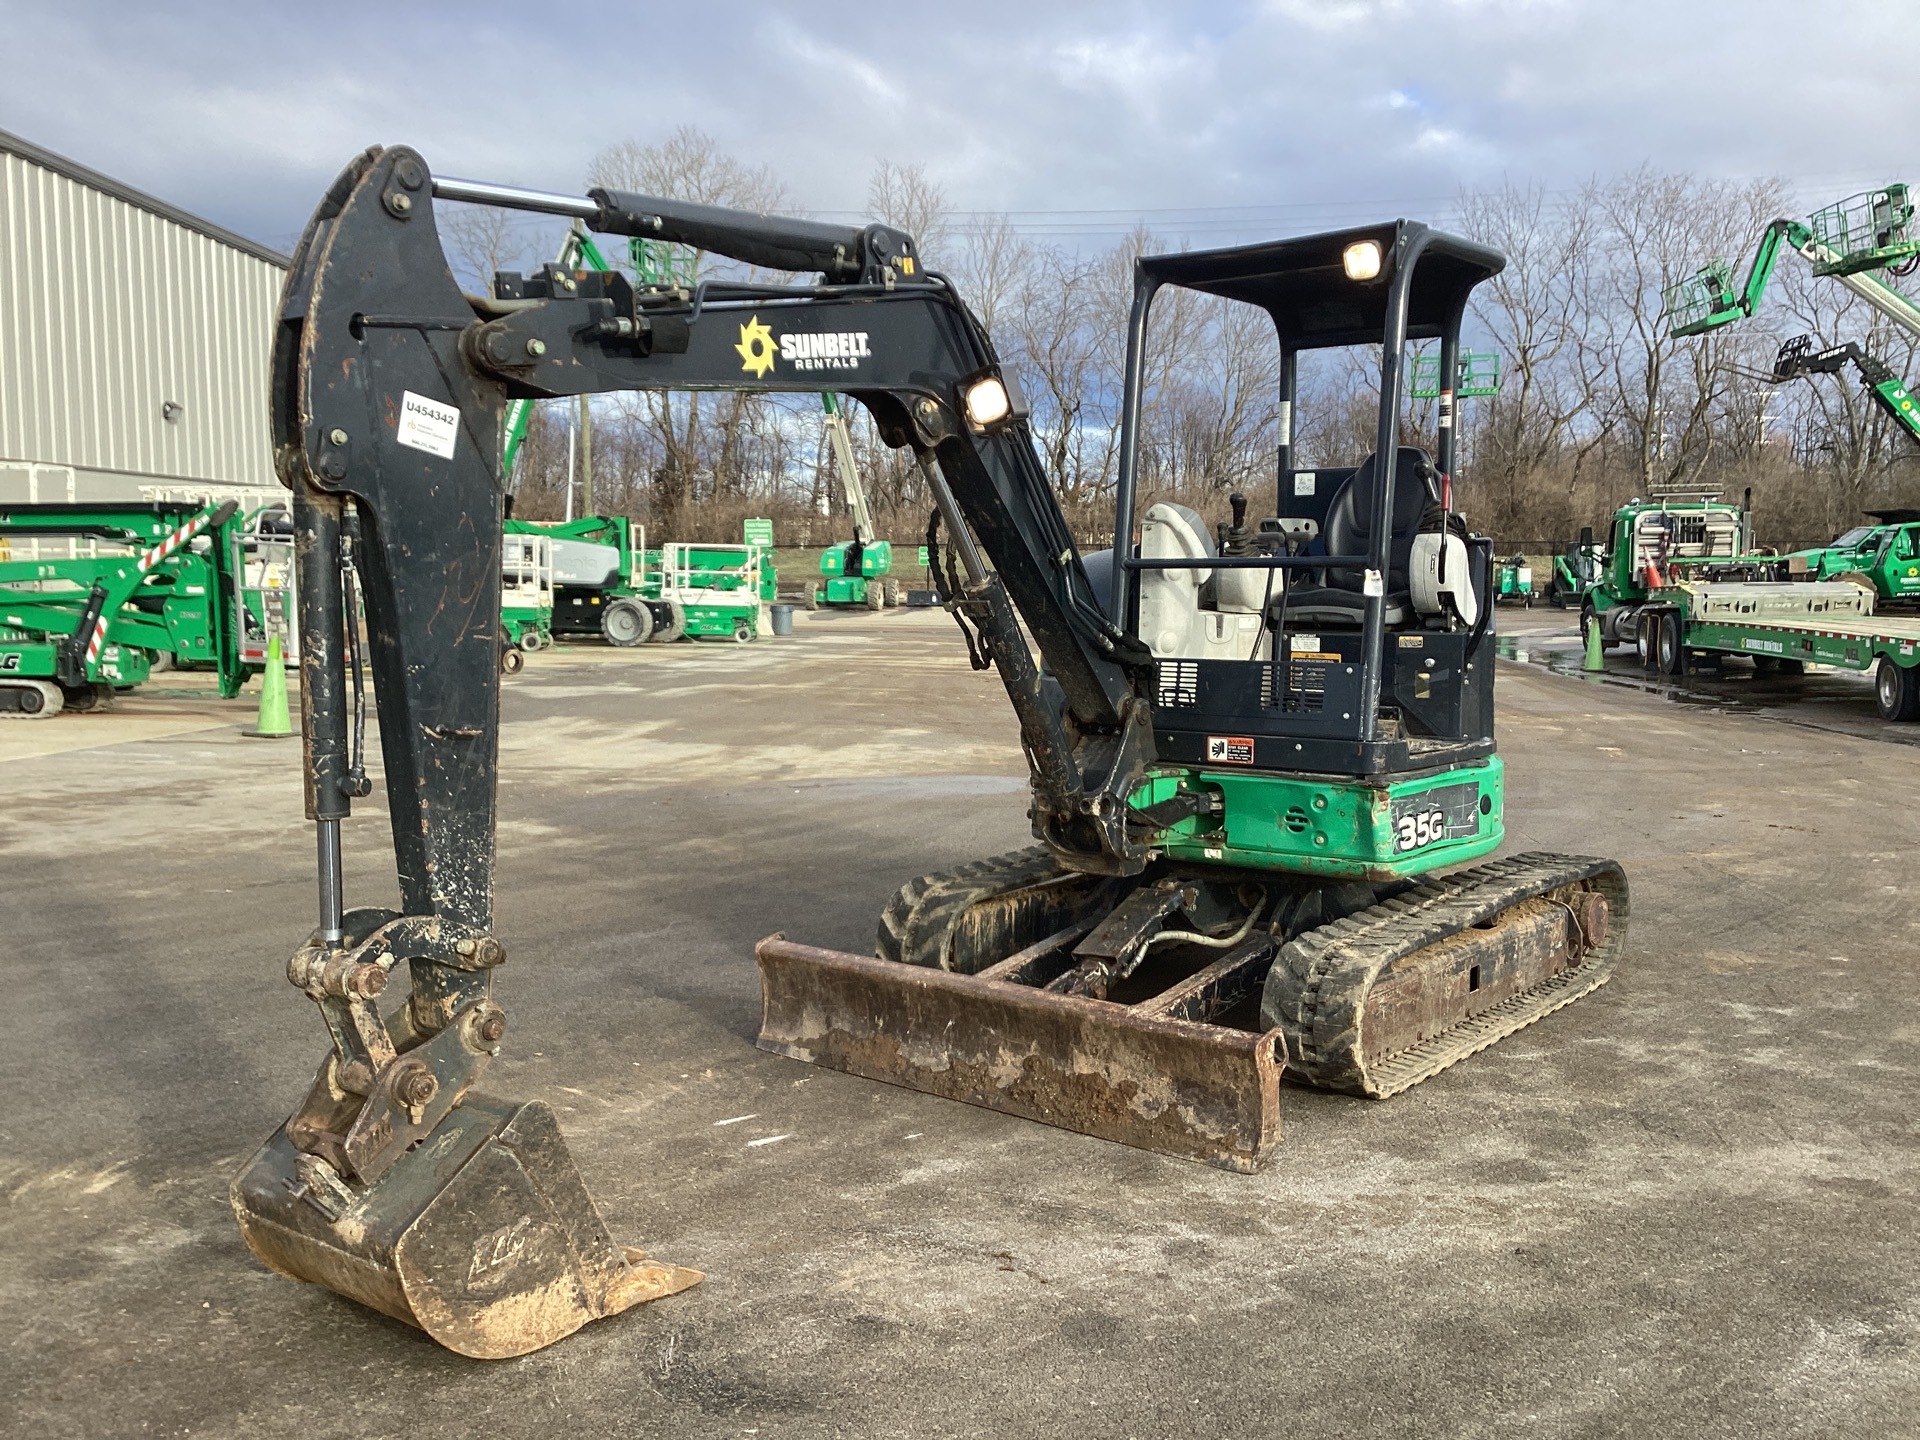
[{"x": 1787, "y": 627}]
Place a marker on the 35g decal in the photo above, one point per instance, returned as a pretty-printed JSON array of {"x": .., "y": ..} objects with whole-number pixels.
[{"x": 1416, "y": 832}]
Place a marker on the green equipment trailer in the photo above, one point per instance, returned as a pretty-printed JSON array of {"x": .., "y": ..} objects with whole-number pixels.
[
  {"x": 93, "y": 595},
  {"x": 1785, "y": 628}
]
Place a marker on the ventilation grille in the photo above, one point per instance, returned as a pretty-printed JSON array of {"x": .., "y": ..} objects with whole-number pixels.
[
  {"x": 1296, "y": 819},
  {"x": 1305, "y": 693},
  {"x": 1179, "y": 682}
]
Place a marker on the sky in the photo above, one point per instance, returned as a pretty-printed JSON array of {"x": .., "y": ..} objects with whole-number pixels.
[{"x": 1210, "y": 123}]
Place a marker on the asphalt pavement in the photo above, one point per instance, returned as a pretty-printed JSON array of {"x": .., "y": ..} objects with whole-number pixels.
[{"x": 1684, "y": 1206}]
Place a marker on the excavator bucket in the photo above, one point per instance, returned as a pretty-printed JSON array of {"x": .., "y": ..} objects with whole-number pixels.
[
  {"x": 1153, "y": 1074},
  {"x": 483, "y": 1236}
]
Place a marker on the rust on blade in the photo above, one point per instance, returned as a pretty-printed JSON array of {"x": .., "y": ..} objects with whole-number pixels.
[{"x": 1175, "y": 1086}]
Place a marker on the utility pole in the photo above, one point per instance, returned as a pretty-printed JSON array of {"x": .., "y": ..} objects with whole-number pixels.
[{"x": 586, "y": 458}]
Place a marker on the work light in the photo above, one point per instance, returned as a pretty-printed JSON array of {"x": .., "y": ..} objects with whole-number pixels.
[
  {"x": 987, "y": 402},
  {"x": 1361, "y": 259}
]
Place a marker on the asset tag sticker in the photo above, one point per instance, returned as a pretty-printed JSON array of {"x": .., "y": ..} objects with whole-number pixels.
[
  {"x": 428, "y": 425},
  {"x": 1229, "y": 749}
]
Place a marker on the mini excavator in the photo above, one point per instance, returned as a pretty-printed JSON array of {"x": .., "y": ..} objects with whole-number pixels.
[{"x": 1252, "y": 751}]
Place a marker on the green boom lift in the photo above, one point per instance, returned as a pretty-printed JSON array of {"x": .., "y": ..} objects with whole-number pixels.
[
  {"x": 1847, "y": 241},
  {"x": 856, "y": 571},
  {"x": 1798, "y": 359},
  {"x": 92, "y": 595},
  {"x": 1885, "y": 555}
]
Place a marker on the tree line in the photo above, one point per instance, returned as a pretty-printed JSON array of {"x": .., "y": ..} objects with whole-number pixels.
[{"x": 1597, "y": 403}]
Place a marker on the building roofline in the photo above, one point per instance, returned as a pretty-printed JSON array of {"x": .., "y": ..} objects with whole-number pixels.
[{"x": 12, "y": 144}]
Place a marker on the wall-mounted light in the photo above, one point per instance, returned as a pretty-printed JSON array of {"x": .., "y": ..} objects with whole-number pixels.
[{"x": 171, "y": 411}]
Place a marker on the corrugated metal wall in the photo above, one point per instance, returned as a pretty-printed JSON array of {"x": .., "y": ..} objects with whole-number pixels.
[{"x": 107, "y": 313}]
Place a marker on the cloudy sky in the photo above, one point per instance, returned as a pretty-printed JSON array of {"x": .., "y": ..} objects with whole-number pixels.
[{"x": 1211, "y": 122}]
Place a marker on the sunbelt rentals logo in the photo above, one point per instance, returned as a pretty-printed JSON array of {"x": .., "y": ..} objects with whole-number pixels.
[{"x": 759, "y": 349}]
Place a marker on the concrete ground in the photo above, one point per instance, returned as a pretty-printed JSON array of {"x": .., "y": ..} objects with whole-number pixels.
[{"x": 1687, "y": 1205}]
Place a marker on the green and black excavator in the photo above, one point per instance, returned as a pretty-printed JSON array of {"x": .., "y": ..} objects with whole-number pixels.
[{"x": 1252, "y": 751}]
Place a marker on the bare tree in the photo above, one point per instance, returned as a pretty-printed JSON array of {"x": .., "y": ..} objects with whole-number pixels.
[
  {"x": 902, "y": 196},
  {"x": 688, "y": 165},
  {"x": 481, "y": 240},
  {"x": 992, "y": 264},
  {"x": 1536, "y": 310},
  {"x": 692, "y": 455},
  {"x": 1653, "y": 231}
]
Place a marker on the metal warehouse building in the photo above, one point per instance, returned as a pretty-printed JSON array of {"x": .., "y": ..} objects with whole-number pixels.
[{"x": 134, "y": 342}]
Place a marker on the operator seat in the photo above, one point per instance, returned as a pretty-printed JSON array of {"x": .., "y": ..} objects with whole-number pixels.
[{"x": 1337, "y": 602}]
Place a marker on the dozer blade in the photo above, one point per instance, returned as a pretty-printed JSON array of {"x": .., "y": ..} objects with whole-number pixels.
[
  {"x": 1141, "y": 1074},
  {"x": 483, "y": 1235}
]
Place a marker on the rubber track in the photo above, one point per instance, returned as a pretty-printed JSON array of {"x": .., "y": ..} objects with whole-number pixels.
[
  {"x": 55, "y": 701},
  {"x": 1317, "y": 991},
  {"x": 920, "y": 918}
]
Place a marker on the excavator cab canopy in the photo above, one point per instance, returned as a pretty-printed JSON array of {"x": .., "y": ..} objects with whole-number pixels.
[
  {"x": 1394, "y": 610},
  {"x": 1341, "y": 287}
]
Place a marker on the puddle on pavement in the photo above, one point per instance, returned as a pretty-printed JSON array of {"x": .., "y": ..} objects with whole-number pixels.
[
  {"x": 1824, "y": 698},
  {"x": 917, "y": 787}
]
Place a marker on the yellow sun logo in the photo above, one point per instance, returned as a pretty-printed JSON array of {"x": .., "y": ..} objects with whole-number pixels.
[{"x": 756, "y": 348}]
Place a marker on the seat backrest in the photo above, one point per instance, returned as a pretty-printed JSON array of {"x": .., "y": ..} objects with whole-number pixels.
[{"x": 1350, "y": 525}]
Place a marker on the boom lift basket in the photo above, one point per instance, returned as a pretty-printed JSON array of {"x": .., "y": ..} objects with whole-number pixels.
[
  {"x": 1702, "y": 301},
  {"x": 1865, "y": 232}
]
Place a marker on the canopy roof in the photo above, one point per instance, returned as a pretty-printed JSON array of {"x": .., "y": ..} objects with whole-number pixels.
[{"x": 1303, "y": 284}]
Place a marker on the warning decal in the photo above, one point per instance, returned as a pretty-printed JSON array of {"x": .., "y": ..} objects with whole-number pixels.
[{"x": 1230, "y": 749}]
